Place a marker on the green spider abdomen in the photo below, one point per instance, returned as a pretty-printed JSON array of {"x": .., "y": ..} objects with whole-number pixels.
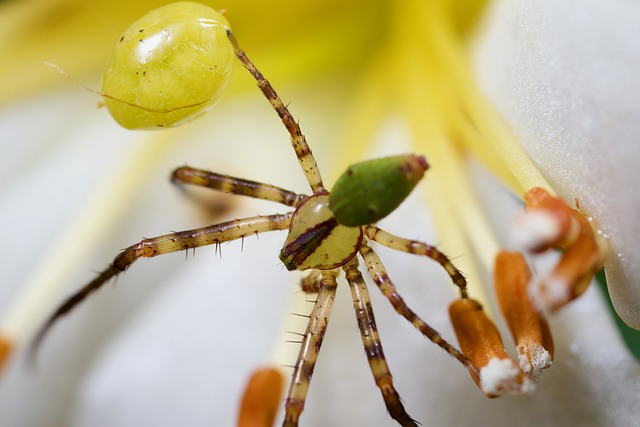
[
  {"x": 316, "y": 239},
  {"x": 368, "y": 191}
]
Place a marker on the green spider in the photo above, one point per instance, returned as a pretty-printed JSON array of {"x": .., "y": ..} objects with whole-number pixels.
[{"x": 326, "y": 233}]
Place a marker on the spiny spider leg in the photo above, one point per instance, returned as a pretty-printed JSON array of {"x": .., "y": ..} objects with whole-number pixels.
[
  {"x": 388, "y": 289},
  {"x": 306, "y": 359},
  {"x": 173, "y": 242},
  {"x": 299, "y": 142},
  {"x": 324, "y": 243},
  {"x": 316, "y": 328},
  {"x": 373, "y": 345},
  {"x": 233, "y": 185},
  {"x": 310, "y": 284},
  {"x": 418, "y": 248}
]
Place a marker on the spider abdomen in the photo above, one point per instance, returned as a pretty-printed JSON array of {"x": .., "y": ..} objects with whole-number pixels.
[{"x": 368, "y": 191}]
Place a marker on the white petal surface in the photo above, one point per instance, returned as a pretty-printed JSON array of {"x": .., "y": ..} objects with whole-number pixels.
[{"x": 566, "y": 76}]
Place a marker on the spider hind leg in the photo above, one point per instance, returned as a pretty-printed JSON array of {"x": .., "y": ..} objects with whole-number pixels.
[
  {"x": 373, "y": 345},
  {"x": 310, "y": 348}
]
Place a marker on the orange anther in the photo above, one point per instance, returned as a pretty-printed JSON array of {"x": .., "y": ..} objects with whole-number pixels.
[
  {"x": 5, "y": 351},
  {"x": 546, "y": 223},
  {"x": 496, "y": 374},
  {"x": 261, "y": 398},
  {"x": 550, "y": 223},
  {"x": 573, "y": 273},
  {"x": 527, "y": 324}
]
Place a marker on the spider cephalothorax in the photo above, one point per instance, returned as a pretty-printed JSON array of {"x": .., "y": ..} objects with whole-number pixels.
[
  {"x": 316, "y": 239},
  {"x": 326, "y": 228}
]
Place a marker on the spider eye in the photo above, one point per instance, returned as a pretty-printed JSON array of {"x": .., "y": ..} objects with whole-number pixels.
[
  {"x": 368, "y": 191},
  {"x": 168, "y": 67}
]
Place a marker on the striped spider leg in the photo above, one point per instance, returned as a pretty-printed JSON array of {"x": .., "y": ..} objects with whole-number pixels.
[
  {"x": 325, "y": 235},
  {"x": 188, "y": 239},
  {"x": 320, "y": 241}
]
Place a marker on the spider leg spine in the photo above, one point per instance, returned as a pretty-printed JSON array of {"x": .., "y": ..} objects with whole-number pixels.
[{"x": 300, "y": 315}]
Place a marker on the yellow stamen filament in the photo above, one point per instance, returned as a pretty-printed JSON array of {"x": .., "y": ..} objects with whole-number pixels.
[
  {"x": 480, "y": 341},
  {"x": 447, "y": 186},
  {"x": 261, "y": 398},
  {"x": 449, "y": 62},
  {"x": 423, "y": 70},
  {"x": 527, "y": 324},
  {"x": 456, "y": 209},
  {"x": 368, "y": 106}
]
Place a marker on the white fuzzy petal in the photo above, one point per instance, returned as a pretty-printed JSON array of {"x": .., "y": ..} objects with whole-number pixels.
[{"x": 565, "y": 76}]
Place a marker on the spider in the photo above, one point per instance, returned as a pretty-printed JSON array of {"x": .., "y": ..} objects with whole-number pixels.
[{"x": 327, "y": 232}]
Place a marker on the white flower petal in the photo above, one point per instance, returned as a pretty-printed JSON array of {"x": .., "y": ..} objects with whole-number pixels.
[
  {"x": 184, "y": 357},
  {"x": 565, "y": 77}
]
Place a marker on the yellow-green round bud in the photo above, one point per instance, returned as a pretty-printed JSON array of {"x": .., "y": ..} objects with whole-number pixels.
[
  {"x": 368, "y": 191},
  {"x": 168, "y": 67}
]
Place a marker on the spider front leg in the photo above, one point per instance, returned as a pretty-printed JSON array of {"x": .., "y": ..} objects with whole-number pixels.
[
  {"x": 388, "y": 289},
  {"x": 419, "y": 248},
  {"x": 173, "y": 242},
  {"x": 298, "y": 140},
  {"x": 313, "y": 336},
  {"x": 373, "y": 345},
  {"x": 233, "y": 185}
]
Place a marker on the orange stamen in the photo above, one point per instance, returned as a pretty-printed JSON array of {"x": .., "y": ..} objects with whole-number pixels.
[
  {"x": 5, "y": 351},
  {"x": 261, "y": 398},
  {"x": 585, "y": 249},
  {"x": 527, "y": 324},
  {"x": 480, "y": 341}
]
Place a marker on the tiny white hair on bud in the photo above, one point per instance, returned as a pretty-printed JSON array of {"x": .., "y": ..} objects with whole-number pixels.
[
  {"x": 533, "y": 358},
  {"x": 535, "y": 228},
  {"x": 501, "y": 376}
]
